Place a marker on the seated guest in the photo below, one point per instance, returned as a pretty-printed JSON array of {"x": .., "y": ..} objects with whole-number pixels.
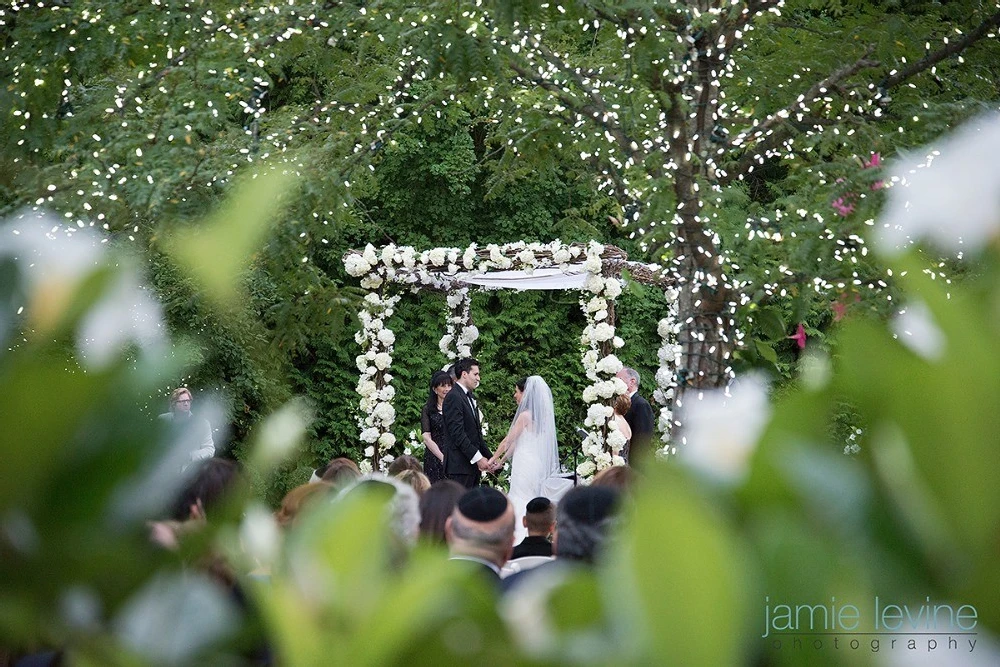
[
  {"x": 341, "y": 472},
  {"x": 402, "y": 511},
  {"x": 436, "y": 505},
  {"x": 416, "y": 479},
  {"x": 404, "y": 462},
  {"x": 584, "y": 520},
  {"x": 540, "y": 519},
  {"x": 191, "y": 434},
  {"x": 296, "y": 500},
  {"x": 615, "y": 477},
  {"x": 481, "y": 530}
]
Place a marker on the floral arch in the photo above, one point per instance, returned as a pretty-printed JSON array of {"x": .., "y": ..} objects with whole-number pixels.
[{"x": 592, "y": 268}]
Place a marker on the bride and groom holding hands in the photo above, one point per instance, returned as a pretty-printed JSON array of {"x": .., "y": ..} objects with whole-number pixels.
[{"x": 530, "y": 443}]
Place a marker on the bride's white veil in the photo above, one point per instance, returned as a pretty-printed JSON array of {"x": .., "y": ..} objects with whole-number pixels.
[{"x": 537, "y": 401}]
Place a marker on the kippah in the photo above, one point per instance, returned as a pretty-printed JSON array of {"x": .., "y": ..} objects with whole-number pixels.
[
  {"x": 589, "y": 504},
  {"x": 538, "y": 505},
  {"x": 483, "y": 504}
]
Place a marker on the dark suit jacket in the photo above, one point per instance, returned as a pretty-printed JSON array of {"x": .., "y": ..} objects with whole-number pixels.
[
  {"x": 532, "y": 545},
  {"x": 465, "y": 434},
  {"x": 640, "y": 418}
]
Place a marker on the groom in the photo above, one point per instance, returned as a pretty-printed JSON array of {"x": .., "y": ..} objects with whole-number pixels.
[{"x": 467, "y": 456}]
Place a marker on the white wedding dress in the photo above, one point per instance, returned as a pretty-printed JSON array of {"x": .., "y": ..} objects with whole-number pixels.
[{"x": 535, "y": 461}]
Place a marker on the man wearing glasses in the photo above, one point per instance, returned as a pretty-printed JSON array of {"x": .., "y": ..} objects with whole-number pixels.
[{"x": 192, "y": 433}]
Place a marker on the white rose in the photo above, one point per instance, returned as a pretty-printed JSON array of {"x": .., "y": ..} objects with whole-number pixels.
[
  {"x": 610, "y": 365},
  {"x": 603, "y": 332},
  {"x": 382, "y": 361},
  {"x": 386, "y": 337},
  {"x": 437, "y": 256},
  {"x": 386, "y": 440},
  {"x": 356, "y": 266},
  {"x": 369, "y": 435},
  {"x": 612, "y": 288},
  {"x": 469, "y": 257}
]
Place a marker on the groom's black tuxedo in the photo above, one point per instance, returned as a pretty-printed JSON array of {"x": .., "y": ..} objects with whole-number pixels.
[
  {"x": 641, "y": 420},
  {"x": 465, "y": 438}
]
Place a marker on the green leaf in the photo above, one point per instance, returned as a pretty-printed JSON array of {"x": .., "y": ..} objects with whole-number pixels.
[{"x": 766, "y": 351}]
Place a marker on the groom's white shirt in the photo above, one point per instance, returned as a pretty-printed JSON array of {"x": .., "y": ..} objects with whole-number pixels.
[{"x": 462, "y": 387}]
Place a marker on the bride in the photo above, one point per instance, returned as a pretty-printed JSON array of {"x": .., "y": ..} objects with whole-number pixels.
[{"x": 531, "y": 441}]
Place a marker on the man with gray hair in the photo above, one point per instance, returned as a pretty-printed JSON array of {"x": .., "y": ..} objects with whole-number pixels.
[
  {"x": 639, "y": 418},
  {"x": 481, "y": 530}
]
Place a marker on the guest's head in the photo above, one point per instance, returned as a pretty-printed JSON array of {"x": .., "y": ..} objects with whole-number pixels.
[
  {"x": 467, "y": 372},
  {"x": 441, "y": 384},
  {"x": 622, "y": 404},
  {"x": 213, "y": 481},
  {"x": 340, "y": 472},
  {"x": 630, "y": 377},
  {"x": 482, "y": 526},
  {"x": 616, "y": 477},
  {"x": 404, "y": 462},
  {"x": 436, "y": 505},
  {"x": 415, "y": 479},
  {"x": 402, "y": 508},
  {"x": 297, "y": 500},
  {"x": 539, "y": 516},
  {"x": 585, "y": 517},
  {"x": 180, "y": 401}
]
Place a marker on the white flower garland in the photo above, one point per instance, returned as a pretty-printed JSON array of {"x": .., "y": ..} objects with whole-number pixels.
[
  {"x": 436, "y": 268},
  {"x": 669, "y": 356},
  {"x": 602, "y": 447},
  {"x": 462, "y": 333}
]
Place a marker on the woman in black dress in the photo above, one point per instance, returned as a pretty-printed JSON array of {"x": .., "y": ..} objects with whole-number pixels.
[{"x": 432, "y": 425}]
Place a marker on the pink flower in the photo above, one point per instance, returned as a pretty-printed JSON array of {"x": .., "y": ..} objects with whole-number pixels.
[
  {"x": 799, "y": 337},
  {"x": 843, "y": 206},
  {"x": 874, "y": 162}
]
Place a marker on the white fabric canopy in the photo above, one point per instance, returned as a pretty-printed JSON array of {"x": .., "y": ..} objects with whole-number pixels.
[{"x": 547, "y": 279}]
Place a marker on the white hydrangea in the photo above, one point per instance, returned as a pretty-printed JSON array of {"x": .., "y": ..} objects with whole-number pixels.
[
  {"x": 601, "y": 315},
  {"x": 445, "y": 343},
  {"x": 664, "y": 328},
  {"x": 372, "y": 281},
  {"x": 603, "y": 332},
  {"x": 589, "y": 394},
  {"x": 616, "y": 440},
  {"x": 388, "y": 254},
  {"x": 365, "y": 467},
  {"x": 606, "y": 389},
  {"x": 386, "y": 337},
  {"x": 370, "y": 255},
  {"x": 469, "y": 335},
  {"x": 592, "y": 264},
  {"x": 387, "y": 393},
  {"x": 590, "y": 358},
  {"x": 408, "y": 256},
  {"x": 527, "y": 258},
  {"x": 586, "y": 469},
  {"x": 617, "y": 461},
  {"x": 596, "y": 304},
  {"x": 598, "y": 412},
  {"x": 595, "y": 284},
  {"x": 362, "y": 362},
  {"x": 618, "y": 342},
  {"x": 385, "y": 413},
  {"x": 664, "y": 377},
  {"x": 386, "y": 440},
  {"x": 612, "y": 288},
  {"x": 561, "y": 256},
  {"x": 382, "y": 361},
  {"x": 356, "y": 266},
  {"x": 369, "y": 435},
  {"x": 367, "y": 388},
  {"x": 620, "y": 386},
  {"x": 464, "y": 351},
  {"x": 610, "y": 365},
  {"x": 602, "y": 460}
]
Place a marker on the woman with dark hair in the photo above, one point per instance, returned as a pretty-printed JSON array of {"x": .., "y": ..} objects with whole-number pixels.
[
  {"x": 433, "y": 428},
  {"x": 436, "y": 505}
]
